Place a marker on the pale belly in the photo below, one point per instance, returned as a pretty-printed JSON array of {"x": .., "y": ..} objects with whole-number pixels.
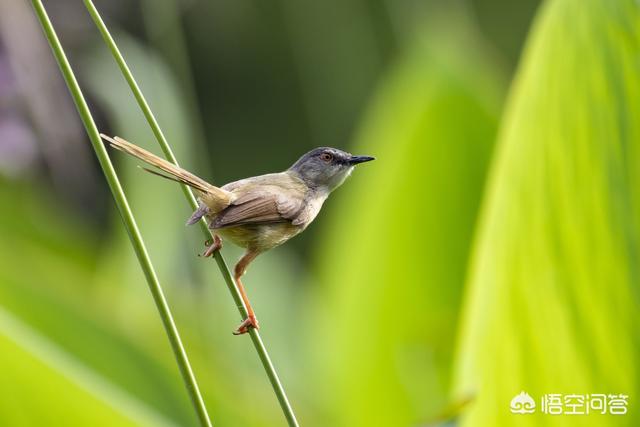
[{"x": 260, "y": 237}]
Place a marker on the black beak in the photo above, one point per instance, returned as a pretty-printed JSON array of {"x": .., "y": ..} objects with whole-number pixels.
[{"x": 354, "y": 160}]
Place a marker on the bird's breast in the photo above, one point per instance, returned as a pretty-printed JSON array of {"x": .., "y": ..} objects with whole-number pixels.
[
  {"x": 260, "y": 237},
  {"x": 313, "y": 208}
]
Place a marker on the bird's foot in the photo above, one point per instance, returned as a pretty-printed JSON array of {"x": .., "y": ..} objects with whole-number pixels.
[
  {"x": 248, "y": 323},
  {"x": 212, "y": 246}
]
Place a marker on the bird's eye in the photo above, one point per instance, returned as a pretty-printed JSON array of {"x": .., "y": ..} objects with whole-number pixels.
[{"x": 326, "y": 157}]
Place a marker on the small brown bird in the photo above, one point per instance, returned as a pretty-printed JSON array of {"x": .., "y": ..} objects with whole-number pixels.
[{"x": 261, "y": 212}]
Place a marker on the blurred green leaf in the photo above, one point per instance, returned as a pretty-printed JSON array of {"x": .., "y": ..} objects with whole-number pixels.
[
  {"x": 393, "y": 262},
  {"x": 155, "y": 202},
  {"x": 554, "y": 289},
  {"x": 43, "y": 385},
  {"x": 47, "y": 275}
]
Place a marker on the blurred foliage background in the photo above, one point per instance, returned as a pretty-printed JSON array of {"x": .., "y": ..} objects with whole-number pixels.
[{"x": 491, "y": 248}]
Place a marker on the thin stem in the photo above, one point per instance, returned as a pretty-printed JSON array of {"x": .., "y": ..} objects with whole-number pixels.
[
  {"x": 224, "y": 269},
  {"x": 126, "y": 214}
]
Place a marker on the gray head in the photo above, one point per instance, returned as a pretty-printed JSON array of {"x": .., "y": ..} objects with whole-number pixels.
[{"x": 326, "y": 167}]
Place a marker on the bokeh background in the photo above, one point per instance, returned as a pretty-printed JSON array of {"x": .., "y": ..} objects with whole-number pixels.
[{"x": 491, "y": 248}]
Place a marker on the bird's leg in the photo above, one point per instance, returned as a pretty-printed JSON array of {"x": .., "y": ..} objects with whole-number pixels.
[
  {"x": 241, "y": 267},
  {"x": 214, "y": 246}
]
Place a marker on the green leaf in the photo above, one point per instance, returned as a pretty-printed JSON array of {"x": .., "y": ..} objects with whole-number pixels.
[
  {"x": 43, "y": 385},
  {"x": 147, "y": 194},
  {"x": 393, "y": 262},
  {"x": 554, "y": 290},
  {"x": 48, "y": 282}
]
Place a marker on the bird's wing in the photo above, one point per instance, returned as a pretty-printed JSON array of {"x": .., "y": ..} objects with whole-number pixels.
[{"x": 260, "y": 203}]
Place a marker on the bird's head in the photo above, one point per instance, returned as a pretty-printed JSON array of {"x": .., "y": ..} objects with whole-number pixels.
[{"x": 326, "y": 167}]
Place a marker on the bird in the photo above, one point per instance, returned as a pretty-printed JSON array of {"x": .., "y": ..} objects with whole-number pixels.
[{"x": 261, "y": 212}]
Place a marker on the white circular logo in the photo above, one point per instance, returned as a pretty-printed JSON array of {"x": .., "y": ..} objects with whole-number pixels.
[{"x": 523, "y": 404}]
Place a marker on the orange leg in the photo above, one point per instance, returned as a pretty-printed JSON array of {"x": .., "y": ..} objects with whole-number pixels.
[
  {"x": 240, "y": 269},
  {"x": 216, "y": 245}
]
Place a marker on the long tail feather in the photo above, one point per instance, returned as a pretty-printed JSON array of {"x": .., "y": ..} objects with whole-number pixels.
[
  {"x": 160, "y": 174},
  {"x": 211, "y": 193}
]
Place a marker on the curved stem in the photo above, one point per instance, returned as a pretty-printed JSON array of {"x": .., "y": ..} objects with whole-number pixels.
[
  {"x": 224, "y": 269},
  {"x": 126, "y": 214}
]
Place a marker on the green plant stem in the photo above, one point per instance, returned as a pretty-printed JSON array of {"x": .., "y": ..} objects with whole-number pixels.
[
  {"x": 125, "y": 213},
  {"x": 224, "y": 269}
]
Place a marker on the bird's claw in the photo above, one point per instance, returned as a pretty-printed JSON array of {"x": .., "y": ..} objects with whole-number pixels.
[
  {"x": 249, "y": 323},
  {"x": 213, "y": 245}
]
